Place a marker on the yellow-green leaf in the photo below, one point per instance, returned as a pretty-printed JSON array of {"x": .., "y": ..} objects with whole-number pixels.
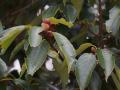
[
  {"x": 84, "y": 47},
  {"x": 9, "y": 36},
  {"x": 117, "y": 69},
  {"x": 60, "y": 21}
]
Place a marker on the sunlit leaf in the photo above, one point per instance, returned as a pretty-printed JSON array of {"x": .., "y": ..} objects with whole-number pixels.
[
  {"x": 36, "y": 57},
  {"x": 60, "y": 21},
  {"x": 50, "y": 12},
  {"x": 3, "y": 68},
  {"x": 70, "y": 13},
  {"x": 84, "y": 68},
  {"x": 106, "y": 60},
  {"x": 113, "y": 24},
  {"x": 66, "y": 48},
  {"x": 34, "y": 37},
  {"x": 78, "y": 4},
  {"x": 9, "y": 36}
]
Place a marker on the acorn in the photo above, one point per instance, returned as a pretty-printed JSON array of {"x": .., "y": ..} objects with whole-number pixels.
[{"x": 93, "y": 50}]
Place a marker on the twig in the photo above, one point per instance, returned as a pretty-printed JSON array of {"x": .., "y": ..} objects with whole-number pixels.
[
  {"x": 101, "y": 29},
  {"x": 101, "y": 24},
  {"x": 24, "y": 8}
]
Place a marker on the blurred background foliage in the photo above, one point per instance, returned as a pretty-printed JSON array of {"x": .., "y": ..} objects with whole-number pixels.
[{"x": 94, "y": 21}]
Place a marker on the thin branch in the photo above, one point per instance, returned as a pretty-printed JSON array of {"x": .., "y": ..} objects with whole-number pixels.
[
  {"x": 101, "y": 24},
  {"x": 24, "y": 8}
]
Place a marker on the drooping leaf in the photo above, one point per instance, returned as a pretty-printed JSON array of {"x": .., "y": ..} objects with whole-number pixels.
[
  {"x": 84, "y": 68},
  {"x": 78, "y": 4},
  {"x": 116, "y": 81},
  {"x": 64, "y": 44},
  {"x": 66, "y": 48},
  {"x": 3, "y": 68},
  {"x": 83, "y": 47},
  {"x": 70, "y": 13},
  {"x": 106, "y": 60},
  {"x": 60, "y": 21},
  {"x": 36, "y": 57},
  {"x": 113, "y": 24},
  {"x": 95, "y": 83},
  {"x": 62, "y": 69},
  {"x": 16, "y": 49},
  {"x": 50, "y": 12},
  {"x": 9, "y": 36},
  {"x": 34, "y": 37},
  {"x": 117, "y": 69}
]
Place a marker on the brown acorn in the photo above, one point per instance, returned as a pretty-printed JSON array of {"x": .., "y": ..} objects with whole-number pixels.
[{"x": 93, "y": 50}]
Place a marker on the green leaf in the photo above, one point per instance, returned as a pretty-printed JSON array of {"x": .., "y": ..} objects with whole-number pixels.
[
  {"x": 24, "y": 68},
  {"x": 84, "y": 68},
  {"x": 70, "y": 13},
  {"x": 60, "y": 21},
  {"x": 117, "y": 70},
  {"x": 9, "y": 36},
  {"x": 106, "y": 60},
  {"x": 3, "y": 68},
  {"x": 66, "y": 48},
  {"x": 36, "y": 57},
  {"x": 84, "y": 47},
  {"x": 78, "y": 4},
  {"x": 17, "y": 48},
  {"x": 113, "y": 24},
  {"x": 116, "y": 81},
  {"x": 62, "y": 69},
  {"x": 34, "y": 37},
  {"x": 50, "y": 12},
  {"x": 95, "y": 82}
]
